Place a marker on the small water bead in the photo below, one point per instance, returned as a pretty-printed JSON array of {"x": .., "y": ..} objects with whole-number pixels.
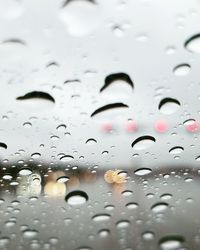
[
  {"x": 171, "y": 242},
  {"x": 110, "y": 207},
  {"x": 166, "y": 196},
  {"x": 101, "y": 217},
  {"x": 123, "y": 224},
  {"x": 182, "y": 69},
  {"x": 192, "y": 126},
  {"x": 148, "y": 236},
  {"x": 176, "y": 150},
  {"x": 36, "y": 155},
  {"x": 168, "y": 106},
  {"x": 143, "y": 171},
  {"x": 63, "y": 179},
  {"x": 61, "y": 127},
  {"x": 7, "y": 177},
  {"x": 192, "y": 44},
  {"x": 29, "y": 233},
  {"x": 159, "y": 207},
  {"x": 118, "y": 31},
  {"x": 127, "y": 193},
  {"x": 132, "y": 205},
  {"x": 27, "y": 125},
  {"x": 91, "y": 142},
  {"x": 66, "y": 158},
  {"x": 143, "y": 142},
  {"x": 54, "y": 240},
  {"x": 25, "y": 171},
  {"x": 76, "y": 198},
  {"x": 103, "y": 233}
]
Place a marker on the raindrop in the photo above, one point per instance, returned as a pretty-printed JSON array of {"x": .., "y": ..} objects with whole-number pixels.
[
  {"x": 36, "y": 155},
  {"x": 116, "y": 78},
  {"x": 27, "y": 125},
  {"x": 101, "y": 217},
  {"x": 127, "y": 193},
  {"x": 63, "y": 179},
  {"x": 143, "y": 171},
  {"x": 109, "y": 107},
  {"x": 75, "y": 198},
  {"x": 143, "y": 142},
  {"x": 123, "y": 224},
  {"x": 3, "y": 145},
  {"x": 91, "y": 142},
  {"x": 132, "y": 205},
  {"x": 25, "y": 171},
  {"x": 148, "y": 235},
  {"x": 7, "y": 177},
  {"x": 104, "y": 233},
  {"x": 66, "y": 158},
  {"x": 29, "y": 234},
  {"x": 159, "y": 207},
  {"x": 36, "y": 95},
  {"x": 61, "y": 127},
  {"x": 182, "y": 69},
  {"x": 193, "y": 44},
  {"x": 171, "y": 242},
  {"x": 169, "y": 106},
  {"x": 176, "y": 150},
  {"x": 166, "y": 196}
]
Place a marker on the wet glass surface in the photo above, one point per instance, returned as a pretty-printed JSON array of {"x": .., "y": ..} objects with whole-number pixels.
[{"x": 99, "y": 124}]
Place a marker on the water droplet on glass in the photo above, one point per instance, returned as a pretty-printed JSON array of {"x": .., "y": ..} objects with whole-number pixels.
[
  {"x": 182, "y": 70},
  {"x": 159, "y": 207},
  {"x": 176, "y": 150},
  {"x": 101, "y": 217},
  {"x": 169, "y": 106},
  {"x": 76, "y": 198},
  {"x": 25, "y": 171},
  {"x": 123, "y": 224},
  {"x": 192, "y": 44},
  {"x": 29, "y": 233},
  {"x": 171, "y": 242},
  {"x": 143, "y": 171},
  {"x": 143, "y": 142}
]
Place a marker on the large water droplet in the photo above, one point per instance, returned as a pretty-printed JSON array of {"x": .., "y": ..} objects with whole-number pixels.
[
  {"x": 37, "y": 100},
  {"x": 29, "y": 233},
  {"x": 116, "y": 79},
  {"x": 182, "y": 69},
  {"x": 143, "y": 171},
  {"x": 101, "y": 217},
  {"x": 193, "y": 44},
  {"x": 76, "y": 198},
  {"x": 171, "y": 242},
  {"x": 105, "y": 110},
  {"x": 176, "y": 150},
  {"x": 159, "y": 207},
  {"x": 169, "y": 106},
  {"x": 143, "y": 142}
]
